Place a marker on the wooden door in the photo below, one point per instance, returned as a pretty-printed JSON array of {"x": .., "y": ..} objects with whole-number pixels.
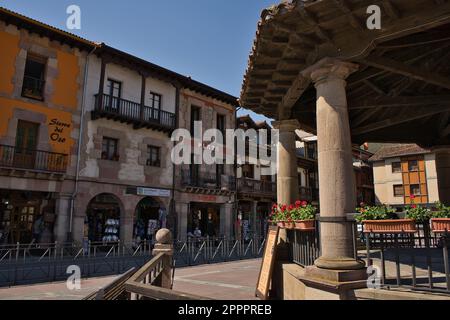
[{"x": 26, "y": 143}]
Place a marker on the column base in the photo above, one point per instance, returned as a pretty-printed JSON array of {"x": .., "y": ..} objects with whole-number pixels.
[{"x": 339, "y": 263}]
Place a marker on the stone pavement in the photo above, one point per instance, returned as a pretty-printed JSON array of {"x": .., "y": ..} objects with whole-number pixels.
[
  {"x": 222, "y": 281},
  {"x": 231, "y": 280},
  {"x": 54, "y": 291}
]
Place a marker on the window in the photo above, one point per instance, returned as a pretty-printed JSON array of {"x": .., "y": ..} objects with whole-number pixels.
[
  {"x": 396, "y": 167},
  {"x": 398, "y": 190},
  {"x": 154, "y": 156},
  {"x": 311, "y": 149},
  {"x": 115, "y": 93},
  {"x": 414, "y": 189},
  {"x": 34, "y": 77},
  {"x": 247, "y": 171},
  {"x": 221, "y": 126},
  {"x": 413, "y": 165},
  {"x": 155, "y": 100},
  {"x": 110, "y": 149}
]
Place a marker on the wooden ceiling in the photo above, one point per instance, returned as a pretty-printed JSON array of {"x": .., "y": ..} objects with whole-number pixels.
[{"x": 401, "y": 92}]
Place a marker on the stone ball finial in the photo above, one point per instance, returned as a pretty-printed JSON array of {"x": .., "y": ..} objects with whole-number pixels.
[{"x": 164, "y": 236}]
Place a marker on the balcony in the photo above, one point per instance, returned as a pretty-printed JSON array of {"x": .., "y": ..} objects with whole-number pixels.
[
  {"x": 257, "y": 187},
  {"x": 208, "y": 183},
  {"x": 131, "y": 112},
  {"x": 27, "y": 160},
  {"x": 33, "y": 88}
]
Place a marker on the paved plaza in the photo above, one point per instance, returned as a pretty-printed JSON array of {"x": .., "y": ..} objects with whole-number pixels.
[{"x": 232, "y": 280}]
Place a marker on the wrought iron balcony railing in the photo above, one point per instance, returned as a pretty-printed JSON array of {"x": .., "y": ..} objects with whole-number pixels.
[
  {"x": 248, "y": 185},
  {"x": 132, "y": 112},
  {"x": 33, "y": 88},
  {"x": 19, "y": 158},
  {"x": 207, "y": 180}
]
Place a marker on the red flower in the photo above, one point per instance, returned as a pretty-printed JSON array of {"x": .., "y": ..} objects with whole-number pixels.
[
  {"x": 298, "y": 203},
  {"x": 274, "y": 206},
  {"x": 283, "y": 207},
  {"x": 304, "y": 203},
  {"x": 413, "y": 206},
  {"x": 412, "y": 196},
  {"x": 291, "y": 207}
]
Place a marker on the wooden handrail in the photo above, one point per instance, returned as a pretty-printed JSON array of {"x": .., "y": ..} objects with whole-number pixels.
[
  {"x": 148, "y": 268},
  {"x": 158, "y": 293}
]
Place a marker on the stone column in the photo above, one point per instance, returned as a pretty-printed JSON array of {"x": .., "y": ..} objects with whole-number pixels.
[
  {"x": 287, "y": 177},
  {"x": 182, "y": 210},
  {"x": 336, "y": 177},
  {"x": 443, "y": 173},
  {"x": 62, "y": 211},
  {"x": 255, "y": 216},
  {"x": 226, "y": 214}
]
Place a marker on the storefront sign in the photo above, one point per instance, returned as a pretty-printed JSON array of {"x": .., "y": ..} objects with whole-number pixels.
[
  {"x": 205, "y": 198},
  {"x": 151, "y": 192}
]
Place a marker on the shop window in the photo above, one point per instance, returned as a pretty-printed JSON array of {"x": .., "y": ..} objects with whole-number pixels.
[
  {"x": 415, "y": 189},
  {"x": 103, "y": 219},
  {"x": 110, "y": 149},
  {"x": 413, "y": 165},
  {"x": 34, "y": 77},
  {"x": 154, "y": 156},
  {"x": 396, "y": 167},
  {"x": 398, "y": 190}
]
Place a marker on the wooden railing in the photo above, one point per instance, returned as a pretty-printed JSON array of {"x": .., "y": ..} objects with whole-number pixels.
[
  {"x": 109, "y": 106},
  {"x": 154, "y": 280},
  {"x": 39, "y": 160}
]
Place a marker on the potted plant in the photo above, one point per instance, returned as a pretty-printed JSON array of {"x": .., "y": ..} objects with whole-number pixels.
[
  {"x": 281, "y": 215},
  {"x": 382, "y": 219},
  {"x": 304, "y": 215},
  {"x": 299, "y": 216},
  {"x": 440, "y": 219}
]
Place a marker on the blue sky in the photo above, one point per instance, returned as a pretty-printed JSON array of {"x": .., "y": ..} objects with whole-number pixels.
[{"x": 209, "y": 40}]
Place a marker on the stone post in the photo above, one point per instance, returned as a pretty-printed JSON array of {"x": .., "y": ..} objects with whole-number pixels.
[
  {"x": 443, "y": 173},
  {"x": 226, "y": 215},
  {"x": 336, "y": 176},
  {"x": 164, "y": 244}
]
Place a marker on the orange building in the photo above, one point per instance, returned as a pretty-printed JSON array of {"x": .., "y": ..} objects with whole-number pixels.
[{"x": 41, "y": 90}]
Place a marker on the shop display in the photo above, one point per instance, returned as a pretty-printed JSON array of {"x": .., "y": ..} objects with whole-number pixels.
[{"x": 111, "y": 231}]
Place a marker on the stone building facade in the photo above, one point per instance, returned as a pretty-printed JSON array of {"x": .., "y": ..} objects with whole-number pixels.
[
  {"x": 41, "y": 88},
  {"x": 205, "y": 194}
]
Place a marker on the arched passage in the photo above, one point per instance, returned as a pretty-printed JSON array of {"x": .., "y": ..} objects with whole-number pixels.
[
  {"x": 150, "y": 216},
  {"x": 103, "y": 218}
]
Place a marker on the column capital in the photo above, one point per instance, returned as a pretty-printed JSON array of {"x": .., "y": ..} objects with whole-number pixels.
[
  {"x": 330, "y": 68},
  {"x": 286, "y": 125}
]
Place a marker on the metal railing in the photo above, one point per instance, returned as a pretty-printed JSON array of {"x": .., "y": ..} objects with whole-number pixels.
[
  {"x": 33, "y": 88},
  {"x": 418, "y": 261},
  {"x": 36, "y": 263},
  {"x": 208, "y": 180},
  {"x": 132, "y": 111},
  {"x": 256, "y": 186},
  {"x": 304, "y": 246},
  {"x": 14, "y": 157}
]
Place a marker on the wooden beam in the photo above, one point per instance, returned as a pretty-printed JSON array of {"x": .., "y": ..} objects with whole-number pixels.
[
  {"x": 374, "y": 87},
  {"x": 396, "y": 102},
  {"x": 407, "y": 71},
  {"x": 402, "y": 118}
]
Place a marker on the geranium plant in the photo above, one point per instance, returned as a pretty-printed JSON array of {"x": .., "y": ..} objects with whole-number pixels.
[
  {"x": 442, "y": 211},
  {"x": 418, "y": 213},
  {"x": 301, "y": 210},
  {"x": 374, "y": 213}
]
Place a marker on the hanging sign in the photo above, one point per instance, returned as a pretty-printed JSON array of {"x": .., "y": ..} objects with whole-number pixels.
[{"x": 268, "y": 261}]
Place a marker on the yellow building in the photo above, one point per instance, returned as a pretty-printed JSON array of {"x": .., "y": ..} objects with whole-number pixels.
[
  {"x": 405, "y": 174},
  {"x": 41, "y": 92}
]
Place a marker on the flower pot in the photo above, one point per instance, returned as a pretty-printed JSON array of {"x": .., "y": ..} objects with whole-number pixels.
[
  {"x": 440, "y": 225},
  {"x": 390, "y": 226},
  {"x": 305, "y": 225}
]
